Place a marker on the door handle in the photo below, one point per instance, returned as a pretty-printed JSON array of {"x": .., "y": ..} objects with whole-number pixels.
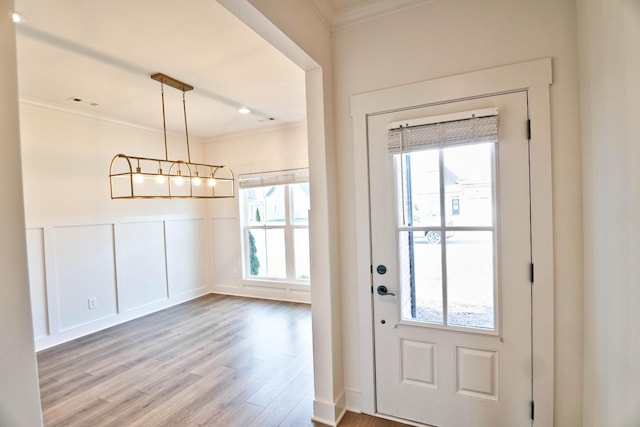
[{"x": 383, "y": 291}]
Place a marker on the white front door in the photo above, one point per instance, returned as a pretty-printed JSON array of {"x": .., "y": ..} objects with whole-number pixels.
[{"x": 450, "y": 235}]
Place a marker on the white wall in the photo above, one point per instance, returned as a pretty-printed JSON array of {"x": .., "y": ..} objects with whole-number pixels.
[
  {"x": 450, "y": 37},
  {"x": 295, "y": 29},
  {"x": 66, "y": 160},
  {"x": 274, "y": 149},
  {"x": 134, "y": 256},
  {"x": 609, "y": 36},
  {"x": 19, "y": 393}
]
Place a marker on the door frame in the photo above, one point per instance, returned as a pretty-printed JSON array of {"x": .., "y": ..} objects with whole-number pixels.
[{"x": 534, "y": 77}]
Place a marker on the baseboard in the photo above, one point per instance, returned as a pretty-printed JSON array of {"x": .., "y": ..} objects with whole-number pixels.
[
  {"x": 353, "y": 400},
  {"x": 60, "y": 337},
  {"x": 264, "y": 292},
  {"x": 329, "y": 413}
]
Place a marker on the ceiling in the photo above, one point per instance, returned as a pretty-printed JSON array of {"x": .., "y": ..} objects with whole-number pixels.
[{"x": 96, "y": 57}]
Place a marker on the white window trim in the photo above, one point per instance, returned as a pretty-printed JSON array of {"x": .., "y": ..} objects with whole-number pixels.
[{"x": 265, "y": 179}]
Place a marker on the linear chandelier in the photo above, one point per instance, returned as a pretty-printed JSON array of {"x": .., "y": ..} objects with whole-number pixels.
[{"x": 133, "y": 177}]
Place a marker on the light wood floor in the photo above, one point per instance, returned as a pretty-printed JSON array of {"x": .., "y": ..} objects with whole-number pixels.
[{"x": 213, "y": 361}]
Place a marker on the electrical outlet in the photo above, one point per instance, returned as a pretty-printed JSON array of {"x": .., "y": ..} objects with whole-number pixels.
[{"x": 93, "y": 303}]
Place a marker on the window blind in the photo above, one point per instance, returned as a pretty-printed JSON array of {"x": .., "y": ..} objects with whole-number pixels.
[
  {"x": 443, "y": 133},
  {"x": 269, "y": 179}
]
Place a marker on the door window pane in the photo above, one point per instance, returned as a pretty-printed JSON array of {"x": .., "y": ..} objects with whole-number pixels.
[
  {"x": 420, "y": 278},
  {"x": 470, "y": 279},
  {"x": 469, "y": 185},
  {"x": 419, "y": 188},
  {"x": 446, "y": 210}
]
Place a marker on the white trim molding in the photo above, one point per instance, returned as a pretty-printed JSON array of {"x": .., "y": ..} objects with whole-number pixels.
[
  {"x": 336, "y": 19},
  {"x": 535, "y": 77},
  {"x": 329, "y": 413}
]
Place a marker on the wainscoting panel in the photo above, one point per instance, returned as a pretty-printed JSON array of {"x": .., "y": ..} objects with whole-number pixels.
[
  {"x": 186, "y": 256},
  {"x": 141, "y": 261},
  {"x": 37, "y": 282},
  {"x": 227, "y": 262},
  {"x": 129, "y": 267},
  {"x": 85, "y": 269}
]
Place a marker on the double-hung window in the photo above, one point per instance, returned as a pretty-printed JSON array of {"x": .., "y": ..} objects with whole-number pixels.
[{"x": 275, "y": 225}]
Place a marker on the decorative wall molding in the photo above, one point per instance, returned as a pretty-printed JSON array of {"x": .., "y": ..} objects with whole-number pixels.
[
  {"x": 156, "y": 262},
  {"x": 360, "y": 12},
  {"x": 131, "y": 279},
  {"x": 324, "y": 10},
  {"x": 255, "y": 132}
]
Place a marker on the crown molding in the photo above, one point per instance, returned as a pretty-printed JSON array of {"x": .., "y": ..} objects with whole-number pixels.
[
  {"x": 336, "y": 19},
  {"x": 47, "y": 105},
  {"x": 255, "y": 132},
  {"x": 324, "y": 10},
  {"x": 370, "y": 10}
]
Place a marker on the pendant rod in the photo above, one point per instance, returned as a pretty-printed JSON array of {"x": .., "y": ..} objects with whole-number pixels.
[
  {"x": 164, "y": 123},
  {"x": 186, "y": 129}
]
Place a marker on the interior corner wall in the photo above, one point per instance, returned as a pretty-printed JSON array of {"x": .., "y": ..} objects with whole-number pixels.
[
  {"x": 443, "y": 38},
  {"x": 273, "y": 149},
  {"x": 19, "y": 392},
  {"x": 133, "y": 257},
  {"x": 609, "y": 54}
]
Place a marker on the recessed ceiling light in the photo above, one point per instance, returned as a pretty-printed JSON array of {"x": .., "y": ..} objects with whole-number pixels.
[
  {"x": 17, "y": 18},
  {"x": 244, "y": 110}
]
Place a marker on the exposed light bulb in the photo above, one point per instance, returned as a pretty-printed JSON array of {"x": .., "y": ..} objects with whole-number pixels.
[
  {"x": 244, "y": 110},
  {"x": 160, "y": 178},
  {"x": 196, "y": 180},
  {"x": 138, "y": 178},
  {"x": 179, "y": 180},
  {"x": 212, "y": 182}
]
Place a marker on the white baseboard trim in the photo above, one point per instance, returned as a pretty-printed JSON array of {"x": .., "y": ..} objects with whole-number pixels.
[
  {"x": 353, "y": 400},
  {"x": 329, "y": 413},
  {"x": 60, "y": 337},
  {"x": 279, "y": 294}
]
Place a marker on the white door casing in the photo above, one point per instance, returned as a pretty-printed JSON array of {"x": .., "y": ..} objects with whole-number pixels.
[
  {"x": 533, "y": 77},
  {"x": 465, "y": 358}
]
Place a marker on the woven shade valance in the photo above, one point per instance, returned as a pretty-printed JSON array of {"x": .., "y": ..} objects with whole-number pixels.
[
  {"x": 423, "y": 134},
  {"x": 274, "y": 178}
]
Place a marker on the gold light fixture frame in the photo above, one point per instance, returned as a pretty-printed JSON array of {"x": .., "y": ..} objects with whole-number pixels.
[{"x": 182, "y": 179}]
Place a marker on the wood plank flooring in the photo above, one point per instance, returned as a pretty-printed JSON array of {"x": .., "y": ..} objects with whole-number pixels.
[{"x": 214, "y": 361}]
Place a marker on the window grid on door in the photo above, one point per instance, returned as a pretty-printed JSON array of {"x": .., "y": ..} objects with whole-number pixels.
[{"x": 452, "y": 281}]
